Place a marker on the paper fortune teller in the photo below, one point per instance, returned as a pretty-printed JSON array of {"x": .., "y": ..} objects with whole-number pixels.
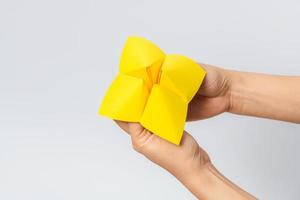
[{"x": 152, "y": 88}]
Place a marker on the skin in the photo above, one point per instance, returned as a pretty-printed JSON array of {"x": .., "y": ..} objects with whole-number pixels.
[{"x": 243, "y": 93}]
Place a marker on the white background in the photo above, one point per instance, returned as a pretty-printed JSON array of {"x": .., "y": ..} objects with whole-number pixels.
[{"x": 58, "y": 57}]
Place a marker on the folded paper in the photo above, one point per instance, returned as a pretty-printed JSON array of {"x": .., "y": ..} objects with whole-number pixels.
[{"x": 153, "y": 88}]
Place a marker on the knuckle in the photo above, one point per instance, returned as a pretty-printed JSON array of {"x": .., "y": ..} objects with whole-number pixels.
[
  {"x": 141, "y": 142},
  {"x": 136, "y": 146}
]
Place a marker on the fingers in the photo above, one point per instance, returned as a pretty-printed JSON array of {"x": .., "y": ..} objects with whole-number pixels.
[
  {"x": 140, "y": 137},
  {"x": 178, "y": 160},
  {"x": 213, "y": 97},
  {"x": 135, "y": 129},
  {"x": 202, "y": 107},
  {"x": 147, "y": 143},
  {"x": 214, "y": 83},
  {"x": 123, "y": 125}
]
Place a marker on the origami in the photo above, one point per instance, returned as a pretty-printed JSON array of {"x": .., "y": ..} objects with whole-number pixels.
[{"x": 153, "y": 88}]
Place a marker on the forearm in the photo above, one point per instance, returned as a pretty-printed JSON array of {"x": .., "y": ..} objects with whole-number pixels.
[
  {"x": 208, "y": 183},
  {"x": 260, "y": 95}
]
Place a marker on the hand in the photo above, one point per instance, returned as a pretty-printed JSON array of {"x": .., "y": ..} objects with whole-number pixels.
[
  {"x": 246, "y": 93},
  {"x": 221, "y": 91},
  {"x": 178, "y": 160},
  {"x": 213, "y": 97},
  {"x": 189, "y": 163}
]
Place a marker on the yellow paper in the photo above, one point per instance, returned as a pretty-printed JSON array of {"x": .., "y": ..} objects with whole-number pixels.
[{"x": 153, "y": 88}]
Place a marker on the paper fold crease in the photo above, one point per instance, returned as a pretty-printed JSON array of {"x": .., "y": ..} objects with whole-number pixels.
[{"x": 153, "y": 88}]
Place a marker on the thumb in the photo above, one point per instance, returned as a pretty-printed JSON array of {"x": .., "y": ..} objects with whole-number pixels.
[
  {"x": 214, "y": 83},
  {"x": 175, "y": 159},
  {"x": 139, "y": 136}
]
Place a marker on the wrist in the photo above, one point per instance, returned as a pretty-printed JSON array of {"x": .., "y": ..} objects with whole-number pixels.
[
  {"x": 236, "y": 91},
  {"x": 262, "y": 95},
  {"x": 208, "y": 183}
]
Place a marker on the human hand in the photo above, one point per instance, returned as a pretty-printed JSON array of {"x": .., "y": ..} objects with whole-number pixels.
[
  {"x": 189, "y": 163},
  {"x": 178, "y": 160},
  {"x": 246, "y": 93},
  {"x": 221, "y": 91},
  {"x": 213, "y": 97}
]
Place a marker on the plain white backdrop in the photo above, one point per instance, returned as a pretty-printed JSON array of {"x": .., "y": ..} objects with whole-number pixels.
[{"x": 58, "y": 57}]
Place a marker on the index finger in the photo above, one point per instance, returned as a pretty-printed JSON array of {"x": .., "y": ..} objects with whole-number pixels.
[{"x": 123, "y": 125}]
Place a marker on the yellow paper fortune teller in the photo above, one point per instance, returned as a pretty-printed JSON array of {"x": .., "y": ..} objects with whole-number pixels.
[{"x": 153, "y": 88}]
